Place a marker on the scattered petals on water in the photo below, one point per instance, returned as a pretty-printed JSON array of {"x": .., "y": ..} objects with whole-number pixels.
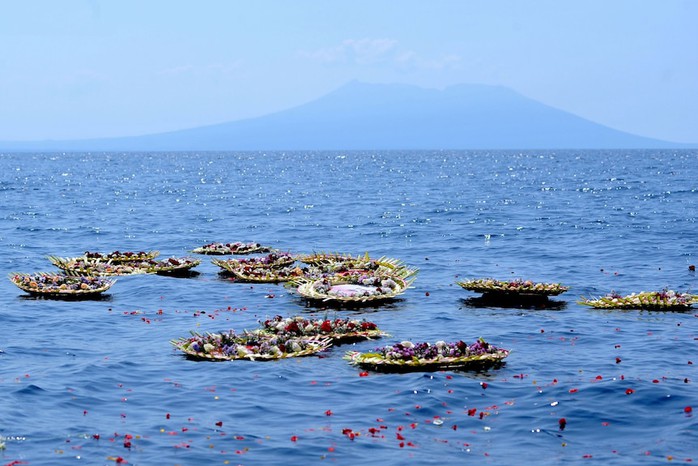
[
  {"x": 688, "y": 410},
  {"x": 363, "y": 374},
  {"x": 629, "y": 391},
  {"x": 294, "y": 438},
  {"x": 117, "y": 459},
  {"x": 328, "y": 412},
  {"x": 562, "y": 422}
]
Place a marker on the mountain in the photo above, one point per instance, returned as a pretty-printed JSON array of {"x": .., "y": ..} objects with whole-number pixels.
[{"x": 362, "y": 116}]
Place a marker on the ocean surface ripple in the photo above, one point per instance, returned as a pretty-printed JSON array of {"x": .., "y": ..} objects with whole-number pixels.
[{"x": 98, "y": 382}]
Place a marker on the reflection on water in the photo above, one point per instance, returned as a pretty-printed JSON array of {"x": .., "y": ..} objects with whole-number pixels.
[{"x": 515, "y": 302}]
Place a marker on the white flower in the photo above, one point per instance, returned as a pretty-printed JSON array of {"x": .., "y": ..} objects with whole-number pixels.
[
  {"x": 388, "y": 283},
  {"x": 208, "y": 347},
  {"x": 407, "y": 344}
]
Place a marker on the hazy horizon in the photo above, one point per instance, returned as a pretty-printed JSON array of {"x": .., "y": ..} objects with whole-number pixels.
[{"x": 84, "y": 69}]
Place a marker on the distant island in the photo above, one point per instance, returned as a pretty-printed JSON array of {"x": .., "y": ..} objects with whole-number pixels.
[{"x": 361, "y": 116}]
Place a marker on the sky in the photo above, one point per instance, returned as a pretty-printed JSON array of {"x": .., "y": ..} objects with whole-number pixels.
[{"x": 75, "y": 69}]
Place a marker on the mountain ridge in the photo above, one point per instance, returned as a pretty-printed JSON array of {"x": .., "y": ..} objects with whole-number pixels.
[{"x": 363, "y": 116}]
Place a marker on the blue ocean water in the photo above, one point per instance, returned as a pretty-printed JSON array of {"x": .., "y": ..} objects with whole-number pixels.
[{"x": 97, "y": 382}]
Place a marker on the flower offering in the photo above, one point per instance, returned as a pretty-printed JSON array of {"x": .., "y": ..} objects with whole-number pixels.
[
  {"x": 59, "y": 285},
  {"x": 339, "y": 330},
  {"x": 513, "y": 287},
  {"x": 254, "y": 346},
  {"x": 409, "y": 356},
  {"x": 222, "y": 249},
  {"x": 666, "y": 299}
]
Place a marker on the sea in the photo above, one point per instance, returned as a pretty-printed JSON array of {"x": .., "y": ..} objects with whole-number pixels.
[{"x": 98, "y": 382}]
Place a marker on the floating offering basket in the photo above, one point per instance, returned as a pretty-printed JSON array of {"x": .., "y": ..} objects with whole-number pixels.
[
  {"x": 339, "y": 262},
  {"x": 59, "y": 285},
  {"x": 337, "y": 330},
  {"x": 98, "y": 267},
  {"x": 319, "y": 258},
  {"x": 659, "y": 300},
  {"x": 171, "y": 266},
  {"x": 525, "y": 288},
  {"x": 267, "y": 274},
  {"x": 272, "y": 268},
  {"x": 409, "y": 357},
  {"x": 117, "y": 257},
  {"x": 252, "y": 346},
  {"x": 82, "y": 267},
  {"x": 354, "y": 288},
  {"x": 271, "y": 260},
  {"x": 222, "y": 249}
]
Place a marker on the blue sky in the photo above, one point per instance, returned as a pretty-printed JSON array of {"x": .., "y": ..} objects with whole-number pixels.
[{"x": 92, "y": 68}]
